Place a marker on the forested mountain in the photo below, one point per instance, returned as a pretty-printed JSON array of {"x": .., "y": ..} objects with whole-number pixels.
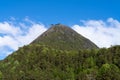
[{"x": 42, "y": 60}]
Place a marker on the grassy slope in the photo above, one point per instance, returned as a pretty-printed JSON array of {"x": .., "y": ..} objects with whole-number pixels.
[{"x": 64, "y": 38}]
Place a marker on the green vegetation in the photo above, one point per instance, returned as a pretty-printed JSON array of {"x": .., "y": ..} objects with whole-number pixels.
[
  {"x": 40, "y": 62},
  {"x": 62, "y": 54},
  {"x": 64, "y": 38}
]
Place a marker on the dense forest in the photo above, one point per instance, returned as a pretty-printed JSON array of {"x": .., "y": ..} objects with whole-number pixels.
[{"x": 41, "y": 62}]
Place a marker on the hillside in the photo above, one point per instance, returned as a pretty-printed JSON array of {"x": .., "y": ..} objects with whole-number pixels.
[
  {"x": 62, "y": 54},
  {"x": 36, "y": 62},
  {"x": 62, "y": 37}
]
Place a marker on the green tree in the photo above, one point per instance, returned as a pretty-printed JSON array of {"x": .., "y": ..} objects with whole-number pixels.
[
  {"x": 1, "y": 75},
  {"x": 109, "y": 72}
]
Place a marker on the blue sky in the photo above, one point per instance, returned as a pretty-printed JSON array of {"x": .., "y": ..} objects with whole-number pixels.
[
  {"x": 63, "y": 11},
  {"x": 21, "y": 21}
]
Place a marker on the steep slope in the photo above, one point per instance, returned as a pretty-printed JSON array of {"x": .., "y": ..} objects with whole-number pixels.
[
  {"x": 36, "y": 62},
  {"x": 58, "y": 54},
  {"x": 62, "y": 37}
]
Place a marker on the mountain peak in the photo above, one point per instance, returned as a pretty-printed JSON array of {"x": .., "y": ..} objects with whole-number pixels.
[
  {"x": 63, "y": 37},
  {"x": 58, "y": 27}
]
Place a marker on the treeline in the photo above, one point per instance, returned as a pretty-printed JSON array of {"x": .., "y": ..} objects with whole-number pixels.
[{"x": 39, "y": 62}]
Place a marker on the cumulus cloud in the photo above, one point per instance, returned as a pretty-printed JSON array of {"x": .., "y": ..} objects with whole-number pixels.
[
  {"x": 6, "y": 28},
  {"x": 13, "y": 36},
  {"x": 34, "y": 31},
  {"x": 102, "y": 33}
]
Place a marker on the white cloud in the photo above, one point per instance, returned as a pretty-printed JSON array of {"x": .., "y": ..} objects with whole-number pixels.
[
  {"x": 102, "y": 33},
  {"x": 8, "y": 41},
  {"x": 14, "y": 36},
  {"x": 34, "y": 31},
  {"x": 7, "y": 28}
]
